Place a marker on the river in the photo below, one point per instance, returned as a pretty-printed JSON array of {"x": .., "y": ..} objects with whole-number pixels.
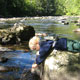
[
  {"x": 54, "y": 25},
  {"x": 18, "y": 59}
]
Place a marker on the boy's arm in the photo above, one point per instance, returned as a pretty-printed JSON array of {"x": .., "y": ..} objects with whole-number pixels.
[{"x": 35, "y": 65}]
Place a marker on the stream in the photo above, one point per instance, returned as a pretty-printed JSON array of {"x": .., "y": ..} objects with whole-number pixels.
[
  {"x": 18, "y": 59},
  {"x": 13, "y": 68}
]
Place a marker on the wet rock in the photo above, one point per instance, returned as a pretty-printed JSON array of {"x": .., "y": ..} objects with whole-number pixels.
[
  {"x": 3, "y": 59},
  {"x": 16, "y": 34},
  {"x": 8, "y": 68},
  {"x": 74, "y": 21},
  {"x": 28, "y": 75},
  {"x": 78, "y": 24},
  {"x": 2, "y": 49},
  {"x": 64, "y": 22},
  {"x": 77, "y": 30},
  {"x": 33, "y": 74},
  {"x": 78, "y": 20}
]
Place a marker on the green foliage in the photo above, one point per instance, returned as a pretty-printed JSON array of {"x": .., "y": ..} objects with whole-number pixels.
[
  {"x": 3, "y": 11},
  {"x": 9, "y": 8},
  {"x": 72, "y": 7}
]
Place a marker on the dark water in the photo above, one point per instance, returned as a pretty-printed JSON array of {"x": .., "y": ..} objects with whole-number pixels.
[{"x": 19, "y": 60}]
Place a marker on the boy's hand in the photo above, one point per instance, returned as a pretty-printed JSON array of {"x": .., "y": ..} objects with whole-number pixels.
[{"x": 34, "y": 65}]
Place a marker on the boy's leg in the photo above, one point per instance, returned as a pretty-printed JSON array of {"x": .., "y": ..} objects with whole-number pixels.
[{"x": 73, "y": 45}]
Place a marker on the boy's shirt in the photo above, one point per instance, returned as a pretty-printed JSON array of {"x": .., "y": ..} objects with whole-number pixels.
[{"x": 46, "y": 47}]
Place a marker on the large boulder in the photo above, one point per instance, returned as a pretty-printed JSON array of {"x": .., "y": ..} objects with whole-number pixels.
[
  {"x": 16, "y": 34},
  {"x": 62, "y": 65}
]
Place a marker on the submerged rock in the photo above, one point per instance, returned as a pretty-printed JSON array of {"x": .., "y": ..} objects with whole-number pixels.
[{"x": 28, "y": 75}]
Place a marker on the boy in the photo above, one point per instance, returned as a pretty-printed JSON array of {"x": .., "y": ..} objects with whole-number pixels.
[{"x": 46, "y": 46}]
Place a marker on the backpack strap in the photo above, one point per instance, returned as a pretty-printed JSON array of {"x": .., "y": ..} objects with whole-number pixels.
[{"x": 54, "y": 43}]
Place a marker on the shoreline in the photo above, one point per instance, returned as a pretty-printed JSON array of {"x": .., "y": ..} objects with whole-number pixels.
[{"x": 41, "y": 17}]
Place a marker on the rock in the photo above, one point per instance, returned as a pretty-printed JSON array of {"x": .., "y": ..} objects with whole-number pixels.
[
  {"x": 3, "y": 59},
  {"x": 74, "y": 21},
  {"x": 3, "y": 49},
  {"x": 65, "y": 22},
  {"x": 28, "y": 75},
  {"x": 78, "y": 20},
  {"x": 16, "y": 34},
  {"x": 61, "y": 65},
  {"x": 77, "y": 30},
  {"x": 78, "y": 24},
  {"x": 8, "y": 68}
]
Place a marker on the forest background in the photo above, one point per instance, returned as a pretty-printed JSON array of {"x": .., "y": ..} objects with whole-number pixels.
[{"x": 22, "y": 8}]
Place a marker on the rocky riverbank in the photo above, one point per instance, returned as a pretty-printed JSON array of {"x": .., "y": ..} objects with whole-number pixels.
[{"x": 21, "y": 19}]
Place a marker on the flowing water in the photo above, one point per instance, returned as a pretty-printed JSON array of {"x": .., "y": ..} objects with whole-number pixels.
[
  {"x": 54, "y": 25},
  {"x": 19, "y": 59}
]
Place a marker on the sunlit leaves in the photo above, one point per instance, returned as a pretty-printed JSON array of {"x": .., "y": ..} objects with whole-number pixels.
[{"x": 39, "y": 7}]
